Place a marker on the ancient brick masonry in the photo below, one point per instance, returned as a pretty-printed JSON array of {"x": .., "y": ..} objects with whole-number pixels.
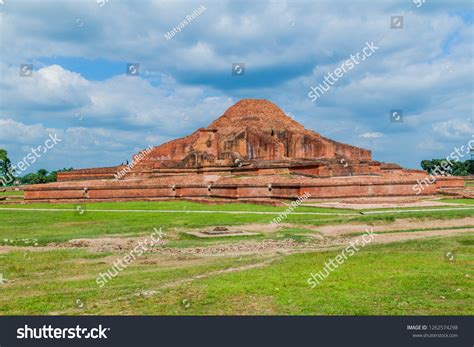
[
  {"x": 251, "y": 131},
  {"x": 252, "y": 152}
]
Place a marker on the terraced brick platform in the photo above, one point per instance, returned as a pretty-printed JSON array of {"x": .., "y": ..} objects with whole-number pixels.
[{"x": 252, "y": 152}]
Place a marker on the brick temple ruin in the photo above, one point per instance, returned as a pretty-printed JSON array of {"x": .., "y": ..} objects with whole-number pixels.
[{"x": 253, "y": 152}]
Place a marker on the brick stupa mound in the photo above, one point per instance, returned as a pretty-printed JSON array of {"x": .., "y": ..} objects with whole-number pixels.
[{"x": 252, "y": 152}]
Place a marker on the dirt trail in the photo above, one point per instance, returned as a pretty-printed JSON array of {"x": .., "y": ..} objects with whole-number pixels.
[
  {"x": 182, "y": 281},
  {"x": 289, "y": 246},
  {"x": 399, "y": 224},
  {"x": 372, "y": 205},
  {"x": 328, "y": 237},
  {"x": 266, "y": 247},
  {"x": 412, "y": 235}
]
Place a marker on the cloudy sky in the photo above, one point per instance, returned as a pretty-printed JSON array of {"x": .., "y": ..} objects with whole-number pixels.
[{"x": 79, "y": 88}]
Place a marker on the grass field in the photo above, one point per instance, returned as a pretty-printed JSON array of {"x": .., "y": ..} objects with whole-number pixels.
[
  {"x": 61, "y": 226},
  {"x": 12, "y": 193},
  {"x": 410, "y": 277}
]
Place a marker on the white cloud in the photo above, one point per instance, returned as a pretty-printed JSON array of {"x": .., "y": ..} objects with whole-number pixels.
[
  {"x": 50, "y": 88},
  {"x": 12, "y": 132},
  {"x": 455, "y": 128},
  {"x": 371, "y": 135}
]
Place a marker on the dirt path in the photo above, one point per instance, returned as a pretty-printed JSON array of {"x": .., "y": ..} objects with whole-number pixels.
[
  {"x": 182, "y": 281},
  {"x": 327, "y": 237},
  {"x": 368, "y": 205},
  {"x": 264, "y": 247},
  {"x": 412, "y": 235},
  {"x": 267, "y": 247},
  {"x": 399, "y": 224}
]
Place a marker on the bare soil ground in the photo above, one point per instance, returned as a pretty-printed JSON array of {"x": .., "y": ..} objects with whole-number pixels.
[
  {"x": 412, "y": 235},
  {"x": 227, "y": 234},
  {"x": 268, "y": 247},
  {"x": 371, "y": 205},
  {"x": 324, "y": 238},
  {"x": 399, "y": 224}
]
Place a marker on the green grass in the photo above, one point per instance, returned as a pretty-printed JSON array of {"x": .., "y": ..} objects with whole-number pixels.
[
  {"x": 54, "y": 281},
  {"x": 18, "y": 193},
  {"x": 409, "y": 278},
  {"x": 403, "y": 278},
  {"x": 459, "y": 201},
  {"x": 54, "y": 226},
  {"x": 399, "y": 279},
  {"x": 179, "y": 205}
]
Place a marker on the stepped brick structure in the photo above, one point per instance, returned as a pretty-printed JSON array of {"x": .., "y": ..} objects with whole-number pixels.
[{"x": 252, "y": 152}]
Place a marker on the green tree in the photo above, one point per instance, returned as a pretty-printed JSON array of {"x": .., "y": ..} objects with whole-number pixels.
[
  {"x": 53, "y": 176},
  {"x": 6, "y": 170},
  {"x": 42, "y": 176},
  {"x": 458, "y": 168}
]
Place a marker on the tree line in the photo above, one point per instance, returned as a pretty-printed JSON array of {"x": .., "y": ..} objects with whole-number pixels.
[
  {"x": 457, "y": 168},
  {"x": 7, "y": 173}
]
